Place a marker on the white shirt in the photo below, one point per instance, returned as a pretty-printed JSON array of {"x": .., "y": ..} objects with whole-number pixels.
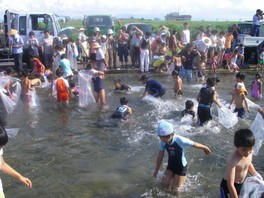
[
  {"x": 185, "y": 36},
  {"x": 100, "y": 54}
]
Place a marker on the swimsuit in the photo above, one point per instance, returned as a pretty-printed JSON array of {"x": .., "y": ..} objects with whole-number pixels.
[
  {"x": 121, "y": 112},
  {"x": 62, "y": 91},
  {"x": 25, "y": 97},
  {"x": 240, "y": 112},
  {"x": 224, "y": 189},
  {"x": 98, "y": 84}
]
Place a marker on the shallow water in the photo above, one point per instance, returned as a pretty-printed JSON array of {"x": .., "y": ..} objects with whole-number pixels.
[{"x": 80, "y": 152}]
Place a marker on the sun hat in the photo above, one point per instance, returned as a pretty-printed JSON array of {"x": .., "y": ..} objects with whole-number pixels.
[
  {"x": 12, "y": 32},
  {"x": 164, "y": 128},
  {"x": 96, "y": 46},
  {"x": 207, "y": 41},
  {"x": 104, "y": 37},
  {"x": 81, "y": 29},
  {"x": 110, "y": 31},
  {"x": 96, "y": 29}
]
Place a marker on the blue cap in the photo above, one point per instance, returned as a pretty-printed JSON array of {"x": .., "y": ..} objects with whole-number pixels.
[{"x": 164, "y": 128}]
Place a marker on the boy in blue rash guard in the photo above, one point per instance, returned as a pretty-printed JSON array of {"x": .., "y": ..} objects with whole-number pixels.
[
  {"x": 153, "y": 87},
  {"x": 175, "y": 172},
  {"x": 123, "y": 110}
]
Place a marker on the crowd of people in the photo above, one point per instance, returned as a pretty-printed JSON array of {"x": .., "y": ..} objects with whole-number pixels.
[{"x": 166, "y": 53}]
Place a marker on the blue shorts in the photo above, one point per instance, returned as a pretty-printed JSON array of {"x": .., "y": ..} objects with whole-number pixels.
[{"x": 240, "y": 112}]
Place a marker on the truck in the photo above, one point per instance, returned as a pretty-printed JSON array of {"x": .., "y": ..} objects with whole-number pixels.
[
  {"x": 103, "y": 22},
  {"x": 252, "y": 44},
  {"x": 37, "y": 22}
]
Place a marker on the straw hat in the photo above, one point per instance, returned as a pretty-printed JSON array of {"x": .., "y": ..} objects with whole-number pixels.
[
  {"x": 96, "y": 46},
  {"x": 81, "y": 29},
  {"x": 12, "y": 32},
  {"x": 207, "y": 41}
]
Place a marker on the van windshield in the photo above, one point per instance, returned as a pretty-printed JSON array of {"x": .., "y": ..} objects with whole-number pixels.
[{"x": 99, "y": 21}]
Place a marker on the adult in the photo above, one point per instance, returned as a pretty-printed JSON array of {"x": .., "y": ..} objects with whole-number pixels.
[
  {"x": 16, "y": 41},
  {"x": 153, "y": 87},
  {"x": 47, "y": 49},
  {"x": 32, "y": 44},
  {"x": 100, "y": 58},
  {"x": 144, "y": 46},
  {"x": 256, "y": 18},
  {"x": 83, "y": 46},
  {"x": 174, "y": 45},
  {"x": 111, "y": 49},
  {"x": 236, "y": 32},
  {"x": 134, "y": 35},
  {"x": 185, "y": 35},
  {"x": 188, "y": 54},
  {"x": 123, "y": 46}
]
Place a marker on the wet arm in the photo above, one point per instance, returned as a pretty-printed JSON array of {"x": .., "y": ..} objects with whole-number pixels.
[
  {"x": 252, "y": 170},
  {"x": 158, "y": 163},
  {"x": 206, "y": 150},
  {"x": 13, "y": 173},
  {"x": 216, "y": 101},
  {"x": 230, "y": 172}
]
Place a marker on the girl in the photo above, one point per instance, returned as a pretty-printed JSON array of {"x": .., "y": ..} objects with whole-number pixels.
[
  {"x": 256, "y": 87},
  {"x": 233, "y": 60}
]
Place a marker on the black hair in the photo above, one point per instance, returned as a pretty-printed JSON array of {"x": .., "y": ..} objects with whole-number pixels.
[
  {"x": 189, "y": 104},
  {"x": 31, "y": 33},
  {"x": 8, "y": 71},
  {"x": 244, "y": 138},
  {"x": 241, "y": 76},
  {"x": 63, "y": 56},
  {"x": 59, "y": 72},
  {"x": 123, "y": 101},
  {"x": 46, "y": 31},
  {"x": 217, "y": 80},
  {"x": 175, "y": 73},
  {"x": 3, "y": 136},
  {"x": 24, "y": 73},
  {"x": 71, "y": 83},
  {"x": 258, "y": 75},
  {"x": 147, "y": 34},
  {"x": 89, "y": 66},
  {"x": 210, "y": 82}
]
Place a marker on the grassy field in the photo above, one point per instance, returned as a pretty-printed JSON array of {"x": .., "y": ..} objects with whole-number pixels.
[{"x": 156, "y": 25}]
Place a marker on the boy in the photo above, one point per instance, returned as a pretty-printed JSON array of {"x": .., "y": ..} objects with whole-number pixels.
[
  {"x": 61, "y": 86},
  {"x": 153, "y": 87},
  {"x": 5, "y": 168},
  {"x": 177, "y": 84},
  {"x": 189, "y": 109},
  {"x": 39, "y": 68},
  {"x": 123, "y": 110},
  {"x": 121, "y": 87},
  {"x": 26, "y": 86},
  {"x": 239, "y": 98},
  {"x": 206, "y": 97},
  {"x": 238, "y": 164},
  {"x": 175, "y": 173}
]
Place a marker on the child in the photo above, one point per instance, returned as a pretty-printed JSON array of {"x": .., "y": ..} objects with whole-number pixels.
[
  {"x": 175, "y": 173},
  {"x": 239, "y": 98},
  {"x": 74, "y": 91},
  {"x": 214, "y": 62},
  {"x": 238, "y": 164},
  {"x": 200, "y": 69},
  {"x": 5, "y": 167},
  {"x": 177, "y": 84},
  {"x": 26, "y": 86},
  {"x": 241, "y": 56},
  {"x": 99, "y": 91},
  {"x": 206, "y": 97},
  {"x": 123, "y": 110},
  {"x": 233, "y": 60},
  {"x": 240, "y": 77},
  {"x": 256, "y": 87},
  {"x": 61, "y": 86},
  {"x": 121, "y": 87},
  {"x": 39, "y": 68},
  {"x": 189, "y": 105},
  {"x": 261, "y": 58}
]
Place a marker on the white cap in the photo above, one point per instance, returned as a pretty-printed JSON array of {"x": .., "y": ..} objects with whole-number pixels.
[
  {"x": 96, "y": 29},
  {"x": 110, "y": 31}
]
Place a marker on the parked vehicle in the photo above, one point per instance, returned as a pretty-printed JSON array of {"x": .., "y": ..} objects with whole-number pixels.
[
  {"x": 145, "y": 27},
  {"x": 252, "y": 44},
  {"x": 24, "y": 23},
  {"x": 103, "y": 22}
]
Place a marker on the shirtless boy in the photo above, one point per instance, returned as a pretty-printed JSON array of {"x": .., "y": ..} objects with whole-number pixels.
[
  {"x": 26, "y": 86},
  {"x": 177, "y": 84},
  {"x": 239, "y": 98},
  {"x": 238, "y": 164}
]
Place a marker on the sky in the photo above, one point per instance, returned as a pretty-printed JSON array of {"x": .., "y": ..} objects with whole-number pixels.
[{"x": 207, "y": 10}]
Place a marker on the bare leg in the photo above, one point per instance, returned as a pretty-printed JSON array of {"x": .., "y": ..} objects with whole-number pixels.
[
  {"x": 167, "y": 178},
  {"x": 177, "y": 182},
  {"x": 101, "y": 97}
]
